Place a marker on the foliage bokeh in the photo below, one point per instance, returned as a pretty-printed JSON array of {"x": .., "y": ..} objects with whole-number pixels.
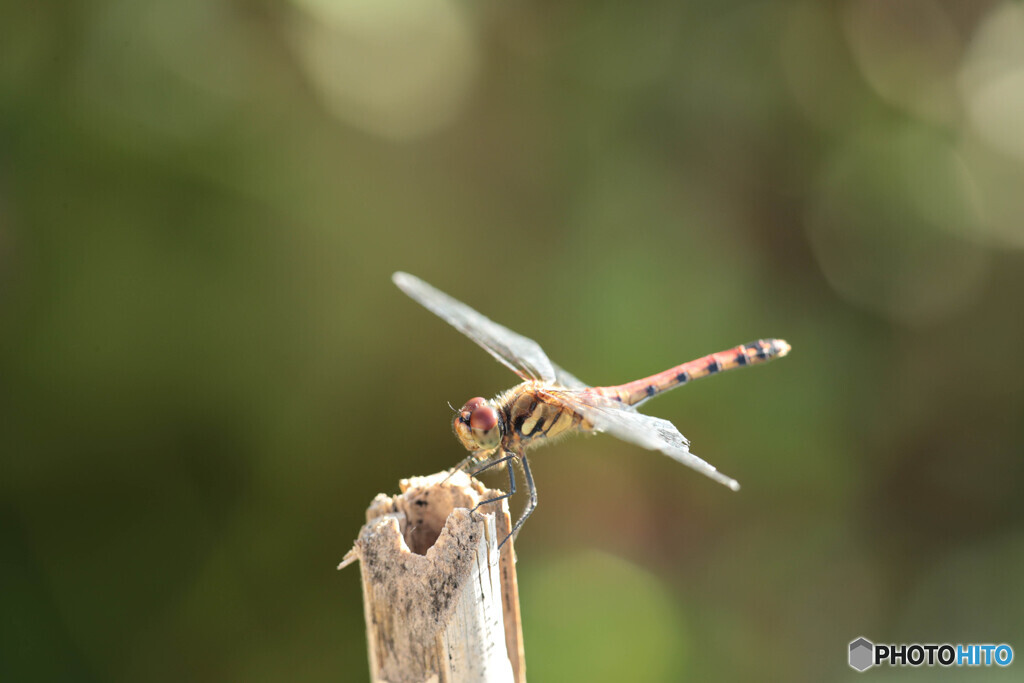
[{"x": 206, "y": 373}]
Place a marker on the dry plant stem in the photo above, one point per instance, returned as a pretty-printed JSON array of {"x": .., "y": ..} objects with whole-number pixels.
[{"x": 441, "y": 603}]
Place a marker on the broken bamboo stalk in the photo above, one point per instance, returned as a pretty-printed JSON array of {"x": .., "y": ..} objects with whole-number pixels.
[{"x": 441, "y": 603}]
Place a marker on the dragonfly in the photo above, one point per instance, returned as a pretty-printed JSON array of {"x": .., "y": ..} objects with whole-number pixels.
[{"x": 551, "y": 403}]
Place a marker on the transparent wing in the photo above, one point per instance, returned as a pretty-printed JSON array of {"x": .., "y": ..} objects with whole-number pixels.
[
  {"x": 626, "y": 423},
  {"x": 521, "y": 355},
  {"x": 567, "y": 379}
]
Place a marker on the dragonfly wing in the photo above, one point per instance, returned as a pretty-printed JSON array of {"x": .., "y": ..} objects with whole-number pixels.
[
  {"x": 567, "y": 379},
  {"x": 654, "y": 433},
  {"x": 519, "y": 354}
]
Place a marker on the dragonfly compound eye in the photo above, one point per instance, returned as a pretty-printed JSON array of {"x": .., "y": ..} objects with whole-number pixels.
[
  {"x": 484, "y": 418},
  {"x": 473, "y": 403}
]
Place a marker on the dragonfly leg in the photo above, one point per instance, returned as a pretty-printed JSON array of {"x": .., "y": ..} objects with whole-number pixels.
[
  {"x": 531, "y": 504},
  {"x": 511, "y": 480},
  {"x": 458, "y": 468},
  {"x": 508, "y": 460},
  {"x": 493, "y": 463}
]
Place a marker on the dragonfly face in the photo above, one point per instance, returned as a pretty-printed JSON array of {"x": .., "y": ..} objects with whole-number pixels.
[{"x": 478, "y": 426}]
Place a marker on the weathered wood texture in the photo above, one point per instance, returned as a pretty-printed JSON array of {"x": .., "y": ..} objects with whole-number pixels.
[{"x": 440, "y": 603}]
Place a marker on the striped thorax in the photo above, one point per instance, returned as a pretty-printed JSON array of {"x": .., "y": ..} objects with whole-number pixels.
[{"x": 516, "y": 420}]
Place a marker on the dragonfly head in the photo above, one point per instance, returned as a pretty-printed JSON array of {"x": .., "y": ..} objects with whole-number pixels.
[{"x": 478, "y": 425}]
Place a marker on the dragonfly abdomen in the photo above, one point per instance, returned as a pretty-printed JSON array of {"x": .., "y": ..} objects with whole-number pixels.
[{"x": 638, "y": 391}]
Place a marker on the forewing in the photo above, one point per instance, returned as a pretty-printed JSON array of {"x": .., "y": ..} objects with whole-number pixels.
[
  {"x": 521, "y": 355},
  {"x": 624, "y": 422}
]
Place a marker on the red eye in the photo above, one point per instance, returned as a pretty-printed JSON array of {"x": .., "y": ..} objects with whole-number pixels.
[
  {"x": 484, "y": 418},
  {"x": 472, "y": 404}
]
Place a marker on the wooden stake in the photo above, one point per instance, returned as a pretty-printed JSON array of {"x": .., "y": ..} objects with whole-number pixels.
[{"x": 440, "y": 603}]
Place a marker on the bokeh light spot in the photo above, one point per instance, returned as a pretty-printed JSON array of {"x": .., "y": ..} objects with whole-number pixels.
[
  {"x": 395, "y": 69},
  {"x": 886, "y": 224},
  {"x": 907, "y": 52},
  {"x": 992, "y": 80}
]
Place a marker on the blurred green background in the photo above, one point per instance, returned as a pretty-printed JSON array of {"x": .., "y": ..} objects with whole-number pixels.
[{"x": 206, "y": 373}]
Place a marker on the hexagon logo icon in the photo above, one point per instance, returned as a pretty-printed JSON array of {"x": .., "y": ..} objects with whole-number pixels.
[{"x": 862, "y": 654}]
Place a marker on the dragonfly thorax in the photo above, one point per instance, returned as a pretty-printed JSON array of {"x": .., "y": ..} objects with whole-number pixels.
[{"x": 478, "y": 425}]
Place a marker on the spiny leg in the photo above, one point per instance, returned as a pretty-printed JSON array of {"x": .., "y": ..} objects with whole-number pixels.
[
  {"x": 511, "y": 480},
  {"x": 458, "y": 468},
  {"x": 493, "y": 463},
  {"x": 531, "y": 505},
  {"x": 508, "y": 460}
]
